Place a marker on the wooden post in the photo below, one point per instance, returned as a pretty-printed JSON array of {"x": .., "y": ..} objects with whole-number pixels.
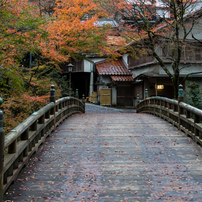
[
  {"x": 52, "y": 94},
  {"x": 188, "y": 115},
  {"x": 2, "y": 133},
  {"x": 196, "y": 120},
  {"x": 137, "y": 100},
  {"x": 146, "y": 93},
  {"x": 77, "y": 93},
  {"x": 83, "y": 100},
  {"x": 180, "y": 99},
  {"x": 52, "y": 99}
]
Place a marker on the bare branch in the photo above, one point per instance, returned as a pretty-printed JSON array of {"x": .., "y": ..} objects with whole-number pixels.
[{"x": 185, "y": 78}]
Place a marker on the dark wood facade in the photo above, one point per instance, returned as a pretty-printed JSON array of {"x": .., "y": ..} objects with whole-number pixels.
[
  {"x": 125, "y": 96},
  {"x": 78, "y": 66},
  {"x": 191, "y": 53},
  {"x": 132, "y": 62},
  {"x": 79, "y": 79},
  {"x": 150, "y": 75}
]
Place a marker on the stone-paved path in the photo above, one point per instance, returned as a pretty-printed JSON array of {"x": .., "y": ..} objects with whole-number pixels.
[
  {"x": 91, "y": 108},
  {"x": 112, "y": 157}
]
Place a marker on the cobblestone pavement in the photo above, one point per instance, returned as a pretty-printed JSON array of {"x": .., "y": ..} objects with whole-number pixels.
[
  {"x": 91, "y": 108},
  {"x": 125, "y": 157}
]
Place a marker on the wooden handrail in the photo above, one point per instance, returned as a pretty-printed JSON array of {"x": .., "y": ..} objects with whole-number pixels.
[
  {"x": 182, "y": 115},
  {"x": 21, "y": 142}
]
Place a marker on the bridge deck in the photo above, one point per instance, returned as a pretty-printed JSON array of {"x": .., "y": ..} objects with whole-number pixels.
[{"x": 112, "y": 157}]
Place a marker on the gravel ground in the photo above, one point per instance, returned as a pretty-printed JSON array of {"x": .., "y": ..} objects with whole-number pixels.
[{"x": 91, "y": 108}]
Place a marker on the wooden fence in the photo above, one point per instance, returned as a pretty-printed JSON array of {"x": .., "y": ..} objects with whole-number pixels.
[
  {"x": 184, "y": 116},
  {"x": 19, "y": 144}
]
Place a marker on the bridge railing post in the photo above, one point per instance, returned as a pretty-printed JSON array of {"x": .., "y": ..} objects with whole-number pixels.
[
  {"x": 148, "y": 101},
  {"x": 160, "y": 108},
  {"x": 83, "y": 100},
  {"x": 52, "y": 94},
  {"x": 180, "y": 99},
  {"x": 147, "y": 105},
  {"x": 77, "y": 93},
  {"x": 169, "y": 109},
  {"x": 196, "y": 120},
  {"x": 188, "y": 115},
  {"x": 52, "y": 99},
  {"x": 137, "y": 101},
  {"x": 2, "y": 133},
  {"x": 146, "y": 94}
]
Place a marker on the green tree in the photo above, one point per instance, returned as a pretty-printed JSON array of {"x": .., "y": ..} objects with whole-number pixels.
[
  {"x": 194, "y": 96},
  {"x": 21, "y": 31}
]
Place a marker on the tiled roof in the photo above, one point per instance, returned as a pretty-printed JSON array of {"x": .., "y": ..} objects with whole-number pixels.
[
  {"x": 122, "y": 78},
  {"x": 113, "y": 68}
]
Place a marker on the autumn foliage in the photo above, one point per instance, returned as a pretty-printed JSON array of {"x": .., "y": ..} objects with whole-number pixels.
[
  {"x": 50, "y": 39},
  {"x": 73, "y": 31}
]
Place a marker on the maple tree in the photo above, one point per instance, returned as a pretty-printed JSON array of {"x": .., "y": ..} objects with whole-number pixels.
[
  {"x": 157, "y": 24},
  {"x": 52, "y": 36},
  {"x": 73, "y": 31},
  {"x": 21, "y": 32},
  {"x": 46, "y": 6}
]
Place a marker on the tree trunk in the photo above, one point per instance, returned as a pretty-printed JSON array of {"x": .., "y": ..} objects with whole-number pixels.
[{"x": 176, "y": 85}]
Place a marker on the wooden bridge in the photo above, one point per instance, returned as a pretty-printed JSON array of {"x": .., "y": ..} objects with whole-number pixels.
[{"x": 106, "y": 157}]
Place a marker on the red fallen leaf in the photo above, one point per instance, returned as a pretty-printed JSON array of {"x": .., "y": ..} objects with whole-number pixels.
[
  {"x": 46, "y": 197},
  {"x": 156, "y": 196},
  {"x": 19, "y": 194}
]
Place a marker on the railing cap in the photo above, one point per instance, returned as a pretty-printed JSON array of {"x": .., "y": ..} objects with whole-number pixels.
[
  {"x": 191, "y": 109},
  {"x": 171, "y": 101},
  {"x": 18, "y": 130},
  {"x": 66, "y": 98}
]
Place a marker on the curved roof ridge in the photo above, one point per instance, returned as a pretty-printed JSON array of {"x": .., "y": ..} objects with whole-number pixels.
[{"x": 116, "y": 67}]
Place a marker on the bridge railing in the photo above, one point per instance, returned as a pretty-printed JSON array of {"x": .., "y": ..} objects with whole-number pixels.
[
  {"x": 21, "y": 142},
  {"x": 184, "y": 116}
]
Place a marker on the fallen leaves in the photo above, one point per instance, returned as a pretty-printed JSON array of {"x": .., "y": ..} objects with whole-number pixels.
[{"x": 107, "y": 163}]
